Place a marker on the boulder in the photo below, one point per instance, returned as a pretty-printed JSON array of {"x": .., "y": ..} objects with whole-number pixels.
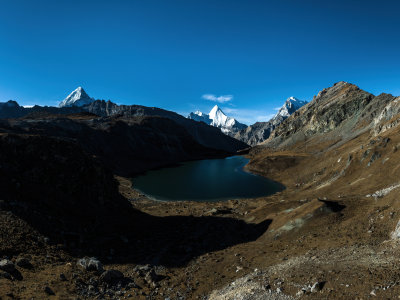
[
  {"x": 23, "y": 263},
  {"x": 7, "y": 265},
  {"x": 90, "y": 264}
]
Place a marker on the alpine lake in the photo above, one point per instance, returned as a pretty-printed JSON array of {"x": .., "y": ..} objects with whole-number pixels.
[{"x": 205, "y": 180}]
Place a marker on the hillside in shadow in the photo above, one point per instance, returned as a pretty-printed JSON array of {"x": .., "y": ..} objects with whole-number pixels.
[{"x": 61, "y": 192}]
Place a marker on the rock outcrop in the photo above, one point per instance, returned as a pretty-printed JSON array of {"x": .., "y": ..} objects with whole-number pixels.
[{"x": 389, "y": 116}]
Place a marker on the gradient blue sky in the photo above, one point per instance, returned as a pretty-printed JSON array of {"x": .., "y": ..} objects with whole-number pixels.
[{"x": 170, "y": 53}]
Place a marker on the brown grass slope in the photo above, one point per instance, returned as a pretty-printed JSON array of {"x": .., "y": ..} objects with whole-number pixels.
[{"x": 336, "y": 221}]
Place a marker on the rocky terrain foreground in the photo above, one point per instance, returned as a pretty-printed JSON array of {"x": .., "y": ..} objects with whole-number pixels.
[{"x": 71, "y": 228}]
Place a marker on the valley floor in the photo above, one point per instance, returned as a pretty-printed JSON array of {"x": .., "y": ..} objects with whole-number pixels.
[{"x": 328, "y": 235}]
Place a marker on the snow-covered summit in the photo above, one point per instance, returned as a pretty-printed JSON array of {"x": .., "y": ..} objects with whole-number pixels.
[
  {"x": 77, "y": 98},
  {"x": 290, "y": 106},
  {"x": 218, "y": 118}
]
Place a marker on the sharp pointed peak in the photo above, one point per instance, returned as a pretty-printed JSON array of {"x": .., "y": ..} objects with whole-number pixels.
[
  {"x": 77, "y": 97},
  {"x": 215, "y": 109},
  {"x": 79, "y": 89}
]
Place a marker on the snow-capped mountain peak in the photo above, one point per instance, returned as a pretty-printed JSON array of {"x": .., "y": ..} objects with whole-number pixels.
[
  {"x": 77, "y": 98},
  {"x": 215, "y": 110},
  {"x": 217, "y": 118},
  {"x": 290, "y": 106}
]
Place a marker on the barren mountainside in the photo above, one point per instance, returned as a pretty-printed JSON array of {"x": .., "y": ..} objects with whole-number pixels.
[
  {"x": 340, "y": 108},
  {"x": 337, "y": 224}
]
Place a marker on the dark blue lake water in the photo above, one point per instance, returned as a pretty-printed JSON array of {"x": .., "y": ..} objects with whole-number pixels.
[{"x": 205, "y": 180}]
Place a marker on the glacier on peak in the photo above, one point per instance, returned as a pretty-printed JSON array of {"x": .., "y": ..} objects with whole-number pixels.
[
  {"x": 77, "y": 98},
  {"x": 217, "y": 118}
]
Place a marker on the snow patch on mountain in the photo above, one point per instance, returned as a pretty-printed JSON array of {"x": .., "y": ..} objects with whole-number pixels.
[
  {"x": 77, "y": 98},
  {"x": 200, "y": 117}
]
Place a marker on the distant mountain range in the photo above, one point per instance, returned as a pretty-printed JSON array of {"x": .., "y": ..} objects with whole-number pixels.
[
  {"x": 253, "y": 134},
  {"x": 79, "y": 101},
  {"x": 219, "y": 119},
  {"x": 190, "y": 136}
]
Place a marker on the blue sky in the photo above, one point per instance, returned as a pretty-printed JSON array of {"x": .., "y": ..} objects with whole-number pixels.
[{"x": 170, "y": 53}]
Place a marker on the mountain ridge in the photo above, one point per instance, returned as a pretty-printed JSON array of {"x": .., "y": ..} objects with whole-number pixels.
[
  {"x": 260, "y": 131},
  {"x": 205, "y": 135}
]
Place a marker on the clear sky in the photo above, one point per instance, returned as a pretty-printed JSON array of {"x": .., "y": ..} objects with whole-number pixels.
[{"x": 171, "y": 53}]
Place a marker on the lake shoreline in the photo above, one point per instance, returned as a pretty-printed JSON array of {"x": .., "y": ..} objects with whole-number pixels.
[{"x": 205, "y": 181}]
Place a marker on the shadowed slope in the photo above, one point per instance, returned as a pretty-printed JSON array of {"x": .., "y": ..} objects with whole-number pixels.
[
  {"x": 126, "y": 145},
  {"x": 64, "y": 194}
]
